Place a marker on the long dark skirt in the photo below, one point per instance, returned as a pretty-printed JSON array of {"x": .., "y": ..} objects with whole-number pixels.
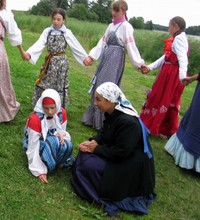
[{"x": 86, "y": 180}]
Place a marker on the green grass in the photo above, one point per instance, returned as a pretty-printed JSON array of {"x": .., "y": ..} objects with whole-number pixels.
[{"x": 24, "y": 197}]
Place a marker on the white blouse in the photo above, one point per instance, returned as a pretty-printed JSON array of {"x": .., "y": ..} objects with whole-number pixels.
[
  {"x": 180, "y": 47},
  {"x": 77, "y": 50},
  {"x": 35, "y": 164},
  {"x": 126, "y": 38},
  {"x": 12, "y": 30}
]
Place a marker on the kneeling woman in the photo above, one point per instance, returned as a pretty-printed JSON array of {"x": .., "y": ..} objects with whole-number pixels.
[
  {"x": 47, "y": 143},
  {"x": 116, "y": 167}
]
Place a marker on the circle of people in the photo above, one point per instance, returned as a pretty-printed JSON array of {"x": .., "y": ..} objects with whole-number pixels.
[{"x": 122, "y": 138}]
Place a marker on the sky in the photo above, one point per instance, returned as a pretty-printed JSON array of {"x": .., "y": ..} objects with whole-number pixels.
[{"x": 158, "y": 11}]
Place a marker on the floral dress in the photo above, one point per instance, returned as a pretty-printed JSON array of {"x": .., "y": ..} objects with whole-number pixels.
[{"x": 56, "y": 75}]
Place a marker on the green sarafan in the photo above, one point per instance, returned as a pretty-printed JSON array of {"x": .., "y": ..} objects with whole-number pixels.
[{"x": 24, "y": 197}]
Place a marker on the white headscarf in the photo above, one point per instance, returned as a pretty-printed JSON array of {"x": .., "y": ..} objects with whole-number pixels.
[
  {"x": 53, "y": 94},
  {"x": 113, "y": 93}
]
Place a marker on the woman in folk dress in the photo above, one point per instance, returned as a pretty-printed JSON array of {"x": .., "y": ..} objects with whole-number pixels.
[
  {"x": 8, "y": 104},
  {"x": 115, "y": 168}
]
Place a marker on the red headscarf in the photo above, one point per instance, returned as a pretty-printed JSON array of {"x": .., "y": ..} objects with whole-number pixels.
[{"x": 48, "y": 101}]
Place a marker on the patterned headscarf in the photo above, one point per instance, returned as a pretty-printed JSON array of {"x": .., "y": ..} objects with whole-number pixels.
[
  {"x": 113, "y": 93},
  {"x": 53, "y": 94}
]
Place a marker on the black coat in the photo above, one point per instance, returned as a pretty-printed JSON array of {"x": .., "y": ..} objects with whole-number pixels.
[{"x": 129, "y": 171}]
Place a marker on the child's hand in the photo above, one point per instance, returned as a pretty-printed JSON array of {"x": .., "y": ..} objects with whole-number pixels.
[
  {"x": 144, "y": 69},
  {"x": 88, "y": 61},
  {"x": 43, "y": 178},
  {"x": 60, "y": 137},
  {"x": 26, "y": 56}
]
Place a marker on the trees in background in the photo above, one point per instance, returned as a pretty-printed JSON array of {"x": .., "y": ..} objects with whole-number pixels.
[{"x": 96, "y": 10}]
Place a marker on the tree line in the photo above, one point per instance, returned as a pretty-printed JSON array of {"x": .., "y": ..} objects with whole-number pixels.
[{"x": 99, "y": 11}]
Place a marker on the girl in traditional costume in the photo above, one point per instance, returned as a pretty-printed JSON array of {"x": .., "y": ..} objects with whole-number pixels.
[
  {"x": 47, "y": 143},
  {"x": 160, "y": 112},
  {"x": 111, "y": 51},
  {"x": 54, "y": 73}
]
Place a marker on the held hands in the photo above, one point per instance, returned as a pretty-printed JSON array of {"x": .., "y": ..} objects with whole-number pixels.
[
  {"x": 189, "y": 79},
  {"x": 26, "y": 56},
  {"x": 186, "y": 81},
  {"x": 88, "y": 146},
  {"x": 88, "y": 61},
  {"x": 144, "y": 69}
]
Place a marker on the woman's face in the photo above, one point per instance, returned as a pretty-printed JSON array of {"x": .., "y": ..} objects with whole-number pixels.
[
  {"x": 50, "y": 109},
  {"x": 57, "y": 21},
  {"x": 173, "y": 28},
  {"x": 117, "y": 14},
  {"x": 103, "y": 104}
]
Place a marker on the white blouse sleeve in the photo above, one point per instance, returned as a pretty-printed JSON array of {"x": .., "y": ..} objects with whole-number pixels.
[
  {"x": 36, "y": 49},
  {"x": 77, "y": 50},
  {"x": 12, "y": 30},
  {"x": 158, "y": 63},
  {"x": 66, "y": 134},
  {"x": 131, "y": 47},
  {"x": 35, "y": 164},
  {"x": 180, "y": 47}
]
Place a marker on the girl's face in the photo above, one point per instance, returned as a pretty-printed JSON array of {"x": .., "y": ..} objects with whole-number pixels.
[
  {"x": 173, "y": 28},
  {"x": 117, "y": 14},
  {"x": 57, "y": 21},
  {"x": 3, "y": 4},
  {"x": 50, "y": 110},
  {"x": 103, "y": 104}
]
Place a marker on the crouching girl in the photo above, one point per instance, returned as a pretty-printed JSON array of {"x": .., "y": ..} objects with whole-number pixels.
[{"x": 47, "y": 143}]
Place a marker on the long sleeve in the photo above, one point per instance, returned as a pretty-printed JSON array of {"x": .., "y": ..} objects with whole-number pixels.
[
  {"x": 36, "y": 49},
  {"x": 180, "y": 48},
  {"x": 12, "y": 30},
  {"x": 77, "y": 50},
  {"x": 131, "y": 47},
  {"x": 35, "y": 164},
  {"x": 157, "y": 64}
]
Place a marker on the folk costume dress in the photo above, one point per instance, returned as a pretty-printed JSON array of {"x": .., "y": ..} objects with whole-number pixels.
[
  {"x": 160, "y": 112},
  {"x": 54, "y": 73},
  {"x": 184, "y": 145},
  {"x": 119, "y": 174},
  {"x": 111, "y": 52},
  {"x": 8, "y": 104},
  {"x": 43, "y": 148}
]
